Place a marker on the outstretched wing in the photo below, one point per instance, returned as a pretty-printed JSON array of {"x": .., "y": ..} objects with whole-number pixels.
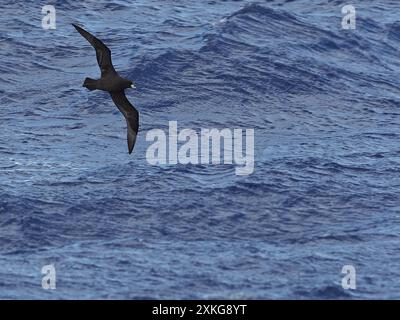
[
  {"x": 131, "y": 115},
  {"x": 103, "y": 54}
]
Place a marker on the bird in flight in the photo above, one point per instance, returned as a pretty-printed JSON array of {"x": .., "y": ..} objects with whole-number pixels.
[{"x": 110, "y": 81}]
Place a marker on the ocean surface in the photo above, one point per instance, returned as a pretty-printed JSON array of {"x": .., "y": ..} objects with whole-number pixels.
[{"x": 324, "y": 103}]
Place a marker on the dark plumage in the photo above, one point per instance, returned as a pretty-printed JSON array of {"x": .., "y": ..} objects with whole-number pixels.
[{"x": 110, "y": 81}]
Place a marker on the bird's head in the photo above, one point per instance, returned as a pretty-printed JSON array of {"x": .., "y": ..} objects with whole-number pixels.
[
  {"x": 132, "y": 85},
  {"x": 129, "y": 84}
]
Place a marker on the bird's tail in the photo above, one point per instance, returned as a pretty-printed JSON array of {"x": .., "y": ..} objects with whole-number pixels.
[{"x": 89, "y": 83}]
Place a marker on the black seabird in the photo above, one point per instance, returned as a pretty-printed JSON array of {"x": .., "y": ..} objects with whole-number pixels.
[{"x": 110, "y": 81}]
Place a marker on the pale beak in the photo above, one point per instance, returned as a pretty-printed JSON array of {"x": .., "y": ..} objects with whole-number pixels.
[{"x": 133, "y": 86}]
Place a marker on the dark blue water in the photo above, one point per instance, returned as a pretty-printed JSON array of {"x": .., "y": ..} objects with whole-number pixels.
[{"x": 324, "y": 104}]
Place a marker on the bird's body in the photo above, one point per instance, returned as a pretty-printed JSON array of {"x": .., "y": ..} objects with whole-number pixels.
[{"x": 111, "y": 82}]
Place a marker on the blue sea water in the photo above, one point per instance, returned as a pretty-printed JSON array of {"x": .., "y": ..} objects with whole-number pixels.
[{"x": 324, "y": 104}]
